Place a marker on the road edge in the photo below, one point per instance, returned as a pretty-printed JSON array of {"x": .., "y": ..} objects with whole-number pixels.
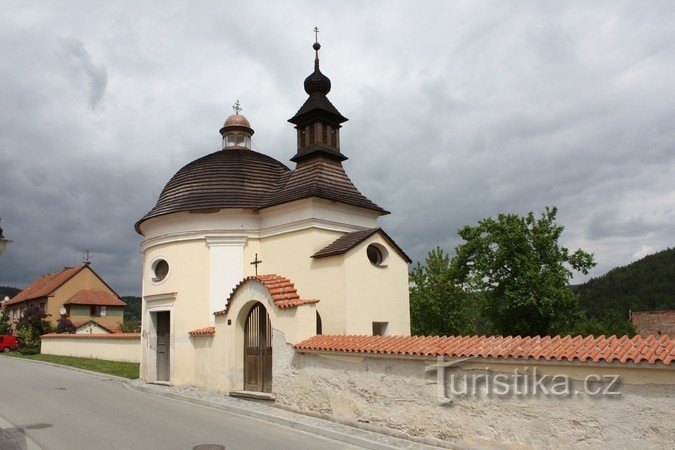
[{"x": 296, "y": 424}]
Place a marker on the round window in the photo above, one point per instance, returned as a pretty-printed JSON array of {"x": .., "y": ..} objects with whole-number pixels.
[
  {"x": 160, "y": 269},
  {"x": 376, "y": 254}
]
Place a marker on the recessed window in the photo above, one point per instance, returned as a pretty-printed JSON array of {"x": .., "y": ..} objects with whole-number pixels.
[
  {"x": 160, "y": 269},
  {"x": 319, "y": 325},
  {"x": 95, "y": 311},
  {"x": 377, "y": 254},
  {"x": 380, "y": 328}
]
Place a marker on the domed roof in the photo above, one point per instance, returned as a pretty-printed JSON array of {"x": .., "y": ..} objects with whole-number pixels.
[
  {"x": 235, "y": 178},
  {"x": 237, "y": 120}
]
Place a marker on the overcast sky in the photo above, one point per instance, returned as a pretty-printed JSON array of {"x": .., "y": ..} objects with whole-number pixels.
[{"x": 458, "y": 111}]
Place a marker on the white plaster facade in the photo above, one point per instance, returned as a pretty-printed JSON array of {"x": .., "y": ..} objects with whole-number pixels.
[{"x": 210, "y": 253}]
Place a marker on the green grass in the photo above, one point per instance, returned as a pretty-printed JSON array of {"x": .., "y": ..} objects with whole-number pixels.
[{"x": 120, "y": 369}]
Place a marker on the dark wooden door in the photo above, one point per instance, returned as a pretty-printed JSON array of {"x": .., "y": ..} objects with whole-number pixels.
[
  {"x": 163, "y": 345},
  {"x": 258, "y": 351}
]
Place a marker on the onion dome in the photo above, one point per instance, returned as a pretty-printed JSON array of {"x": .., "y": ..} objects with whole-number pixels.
[
  {"x": 235, "y": 178},
  {"x": 317, "y": 82}
]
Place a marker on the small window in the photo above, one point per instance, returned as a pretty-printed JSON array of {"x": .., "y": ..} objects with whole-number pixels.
[
  {"x": 160, "y": 270},
  {"x": 95, "y": 311},
  {"x": 311, "y": 134},
  {"x": 319, "y": 325},
  {"x": 377, "y": 254},
  {"x": 230, "y": 140},
  {"x": 380, "y": 328},
  {"x": 240, "y": 140},
  {"x": 333, "y": 136}
]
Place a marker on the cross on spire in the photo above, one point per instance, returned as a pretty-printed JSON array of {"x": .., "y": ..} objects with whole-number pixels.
[
  {"x": 316, "y": 34},
  {"x": 255, "y": 263},
  {"x": 237, "y": 107}
]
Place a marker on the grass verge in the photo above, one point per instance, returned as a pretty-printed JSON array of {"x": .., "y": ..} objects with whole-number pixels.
[{"x": 120, "y": 369}]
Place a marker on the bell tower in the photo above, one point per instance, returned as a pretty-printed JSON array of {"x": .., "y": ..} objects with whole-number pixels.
[{"x": 318, "y": 122}]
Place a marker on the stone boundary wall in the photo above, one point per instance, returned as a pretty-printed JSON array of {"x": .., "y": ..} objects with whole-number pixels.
[
  {"x": 124, "y": 347},
  {"x": 398, "y": 393}
]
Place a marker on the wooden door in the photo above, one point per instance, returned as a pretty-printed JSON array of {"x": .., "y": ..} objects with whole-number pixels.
[
  {"x": 258, "y": 350},
  {"x": 163, "y": 345}
]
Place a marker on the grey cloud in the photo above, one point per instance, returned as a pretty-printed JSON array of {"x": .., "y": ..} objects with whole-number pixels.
[
  {"x": 458, "y": 111},
  {"x": 95, "y": 77}
]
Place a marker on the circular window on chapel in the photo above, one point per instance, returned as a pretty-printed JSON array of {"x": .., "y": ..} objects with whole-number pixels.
[
  {"x": 160, "y": 270},
  {"x": 377, "y": 254}
]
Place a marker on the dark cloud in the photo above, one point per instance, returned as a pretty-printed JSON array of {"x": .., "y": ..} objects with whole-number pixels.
[{"x": 458, "y": 111}]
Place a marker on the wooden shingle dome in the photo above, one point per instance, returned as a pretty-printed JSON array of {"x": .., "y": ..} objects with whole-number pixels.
[{"x": 233, "y": 178}]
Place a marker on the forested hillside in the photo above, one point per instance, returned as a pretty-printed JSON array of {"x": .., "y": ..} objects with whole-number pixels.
[
  {"x": 645, "y": 285},
  {"x": 7, "y": 291},
  {"x": 133, "y": 309}
]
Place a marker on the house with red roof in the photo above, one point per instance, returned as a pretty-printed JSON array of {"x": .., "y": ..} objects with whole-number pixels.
[{"x": 77, "y": 293}]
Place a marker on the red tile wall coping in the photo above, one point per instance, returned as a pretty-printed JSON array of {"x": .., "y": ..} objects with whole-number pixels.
[
  {"x": 652, "y": 349},
  {"x": 92, "y": 336},
  {"x": 281, "y": 289},
  {"x": 208, "y": 331}
]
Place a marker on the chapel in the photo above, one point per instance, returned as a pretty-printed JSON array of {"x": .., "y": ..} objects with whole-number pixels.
[{"x": 244, "y": 256}]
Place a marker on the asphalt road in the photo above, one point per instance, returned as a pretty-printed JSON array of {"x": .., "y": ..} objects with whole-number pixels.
[{"x": 63, "y": 409}]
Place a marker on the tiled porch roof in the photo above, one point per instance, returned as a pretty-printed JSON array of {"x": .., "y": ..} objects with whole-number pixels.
[{"x": 281, "y": 289}]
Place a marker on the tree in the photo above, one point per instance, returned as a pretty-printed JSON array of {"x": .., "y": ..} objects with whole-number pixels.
[
  {"x": 64, "y": 325},
  {"x": 612, "y": 324},
  {"x": 130, "y": 326},
  {"x": 5, "y": 326},
  {"x": 437, "y": 305},
  {"x": 519, "y": 270},
  {"x": 32, "y": 325}
]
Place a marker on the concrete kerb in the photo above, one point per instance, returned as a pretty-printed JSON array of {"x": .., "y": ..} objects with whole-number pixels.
[{"x": 296, "y": 424}]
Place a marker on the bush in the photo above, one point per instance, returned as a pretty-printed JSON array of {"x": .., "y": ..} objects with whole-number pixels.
[
  {"x": 64, "y": 325},
  {"x": 29, "y": 350},
  {"x": 32, "y": 325},
  {"x": 130, "y": 326}
]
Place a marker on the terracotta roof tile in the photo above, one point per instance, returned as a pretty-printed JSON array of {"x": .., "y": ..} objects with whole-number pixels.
[
  {"x": 44, "y": 285},
  {"x": 653, "y": 349},
  {"x": 95, "y": 297},
  {"x": 281, "y": 289},
  {"x": 208, "y": 331}
]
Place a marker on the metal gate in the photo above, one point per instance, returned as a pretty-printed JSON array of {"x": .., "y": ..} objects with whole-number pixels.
[{"x": 258, "y": 350}]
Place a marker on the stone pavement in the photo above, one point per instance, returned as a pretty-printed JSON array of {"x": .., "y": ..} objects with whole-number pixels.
[{"x": 266, "y": 410}]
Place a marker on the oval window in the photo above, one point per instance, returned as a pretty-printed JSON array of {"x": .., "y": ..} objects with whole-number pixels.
[
  {"x": 160, "y": 269},
  {"x": 376, "y": 254}
]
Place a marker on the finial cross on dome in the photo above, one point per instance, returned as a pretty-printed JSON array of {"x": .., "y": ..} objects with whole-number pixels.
[
  {"x": 237, "y": 107},
  {"x": 316, "y": 34}
]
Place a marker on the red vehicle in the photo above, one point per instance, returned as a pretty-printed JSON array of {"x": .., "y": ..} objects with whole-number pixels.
[{"x": 8, "y": 343}]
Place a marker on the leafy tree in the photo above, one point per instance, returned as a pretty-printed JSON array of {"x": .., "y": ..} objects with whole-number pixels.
[
  {"x": 612, "y": 324},
  {"x": 64, "y": 325},
  {"x": 5, "y": 325},
  {"x": 520, "y": 272},
  {"x": 32, "y": 325},
  {"x": 131, "y": 326},
  {"x": 437, "y": 305}
]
